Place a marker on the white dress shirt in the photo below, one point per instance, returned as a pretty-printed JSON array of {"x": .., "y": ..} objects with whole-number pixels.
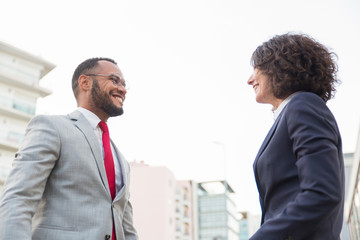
[
  {"x": 94, "y": 121},
  {"x": 277, "y": 111}
]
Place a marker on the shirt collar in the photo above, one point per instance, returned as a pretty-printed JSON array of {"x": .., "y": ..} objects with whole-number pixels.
[
  {"x": 277, "y": 111},
  {"x": 90, "y": 116}
]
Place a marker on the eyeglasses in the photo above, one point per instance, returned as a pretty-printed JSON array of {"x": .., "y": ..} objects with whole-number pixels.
[{"x": 117, "y": 81}]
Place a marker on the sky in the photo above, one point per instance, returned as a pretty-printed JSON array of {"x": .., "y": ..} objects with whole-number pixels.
[{"x": 189, "y": 107}]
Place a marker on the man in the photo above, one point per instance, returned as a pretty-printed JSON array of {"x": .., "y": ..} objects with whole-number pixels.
[{"x": 67, "y": 182}]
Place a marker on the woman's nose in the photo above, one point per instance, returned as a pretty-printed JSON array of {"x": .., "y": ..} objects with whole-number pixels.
[{"x": 250, "y": 80}]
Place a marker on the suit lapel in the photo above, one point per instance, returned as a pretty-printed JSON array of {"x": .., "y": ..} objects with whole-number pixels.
[
  {"x": 268, "y": 137},
  {"x": 122, "y": 170},
  {"x": 85, "y": 128},
  {"x": 261, "y": 150}
]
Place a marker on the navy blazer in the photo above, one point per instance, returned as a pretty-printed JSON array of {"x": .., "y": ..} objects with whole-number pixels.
[{"x": 299, "y": 172}]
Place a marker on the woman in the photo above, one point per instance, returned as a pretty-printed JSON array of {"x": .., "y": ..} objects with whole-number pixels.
[{"x": 299, "y": 168}]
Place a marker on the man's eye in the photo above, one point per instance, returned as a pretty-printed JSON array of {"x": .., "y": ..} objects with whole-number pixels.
[
  {"x": 118, "y": 81},
  {"x": 115, "y": 80}
]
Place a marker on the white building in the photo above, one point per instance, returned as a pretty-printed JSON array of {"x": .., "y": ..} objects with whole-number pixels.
[
  {"x": 20, "y": 73},
  {"x": 352, "y": 200}
]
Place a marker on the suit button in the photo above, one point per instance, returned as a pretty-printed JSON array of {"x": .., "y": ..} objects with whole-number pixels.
[{"x": 107, "y": 237}]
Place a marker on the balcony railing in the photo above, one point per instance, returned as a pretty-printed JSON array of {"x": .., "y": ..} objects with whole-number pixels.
[
  {"x": 17, "y": 104},
  {"x": 10, "y": 140}
]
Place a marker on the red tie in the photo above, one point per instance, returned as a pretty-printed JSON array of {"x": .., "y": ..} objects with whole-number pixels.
[{"x": 108, "y": 162}]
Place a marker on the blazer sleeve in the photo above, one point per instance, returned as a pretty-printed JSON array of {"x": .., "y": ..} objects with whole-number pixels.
[
  {"x": 128, "y": 224},
  {"x": 26, "y": 182},
  {"x": 316, "y": 145}
]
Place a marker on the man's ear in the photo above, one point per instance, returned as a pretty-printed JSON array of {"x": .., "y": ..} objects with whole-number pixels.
[{"x": 84, "y": 82}]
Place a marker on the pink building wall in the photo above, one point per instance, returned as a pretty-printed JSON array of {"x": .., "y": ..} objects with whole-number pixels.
[{"x": 152, "y": 196}]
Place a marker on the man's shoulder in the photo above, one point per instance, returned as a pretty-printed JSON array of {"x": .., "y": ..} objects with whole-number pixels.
[{"x": 49, "y": 119}]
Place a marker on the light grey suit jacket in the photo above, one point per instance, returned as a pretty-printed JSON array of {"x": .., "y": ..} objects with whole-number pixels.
[{"x": 58, "y": 188}]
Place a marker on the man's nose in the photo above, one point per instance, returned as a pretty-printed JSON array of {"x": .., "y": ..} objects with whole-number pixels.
[{"x": 122, "y": 89}]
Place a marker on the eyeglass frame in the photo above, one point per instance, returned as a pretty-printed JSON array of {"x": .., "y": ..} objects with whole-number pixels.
[{"x": 116, "y": 80}]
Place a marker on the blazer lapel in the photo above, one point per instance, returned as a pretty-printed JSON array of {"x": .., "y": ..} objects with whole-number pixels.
[
  {"x": 84, "y": 126},
  {"x": 122, "y": 170},
  {"x": 261, "y": 150},
  {"x": 268, "y": 137}
]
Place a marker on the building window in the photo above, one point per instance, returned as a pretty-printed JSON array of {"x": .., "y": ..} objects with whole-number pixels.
[
  {"x": 24, "y": 107},
  {"x": 14, "y": 137}
]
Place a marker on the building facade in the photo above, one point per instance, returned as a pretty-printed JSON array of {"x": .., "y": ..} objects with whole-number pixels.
[
  {"x": 217, "y": 211},
  {"x": 186, "y": 210},
  {"x": 163, "y": 207},
  {"x": 168, "y": 209},
  {"x": 152, "y": 192},
  {"x": 352, "y": 201},
  {"x": 248, "y": 224},
  {"x": 243, "y": 226},
  {"x": 20, "y": 73}
]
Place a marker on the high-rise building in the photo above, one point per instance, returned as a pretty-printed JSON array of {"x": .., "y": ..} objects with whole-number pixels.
[
  {"x": 348, "y": 161},
  {"x": 163, "y": 207},
  {"x": 352, "y": 200},
  {"x": 243, "y": 226},
  {"x": 217, "y": 211},
  {"x": 168, "y": 209},
  {"x": 20, "y": 73},
  {"x": 248, "y": 224},
  {"x": 186, "y": 210}
]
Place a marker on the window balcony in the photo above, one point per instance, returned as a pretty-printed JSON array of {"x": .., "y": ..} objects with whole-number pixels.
[
  {"x": 4, "y": 172},
  {"x": 31, "y": 87},
  {"x": 17, "y": 111},
  {"x": 9, "y": 146},
  {"x": 10, "y": 140}
]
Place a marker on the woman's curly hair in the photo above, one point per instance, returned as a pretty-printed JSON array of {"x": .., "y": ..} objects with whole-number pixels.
[{"x": 296, "y": 62}]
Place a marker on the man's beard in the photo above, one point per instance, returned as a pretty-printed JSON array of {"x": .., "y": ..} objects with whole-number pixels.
[{"x": 102, "y": 101}]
